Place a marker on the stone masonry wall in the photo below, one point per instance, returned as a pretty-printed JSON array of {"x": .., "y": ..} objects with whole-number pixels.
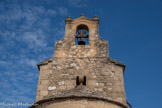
[
  {"x": 98, "y": 48},
  {"x": 102, "y": 76}
]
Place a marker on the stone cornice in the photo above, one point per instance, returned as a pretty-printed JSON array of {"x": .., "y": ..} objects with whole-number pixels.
[{"x": 73, "y": 97}]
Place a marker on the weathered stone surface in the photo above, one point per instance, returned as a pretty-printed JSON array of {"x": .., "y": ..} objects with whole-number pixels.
[
  {"x": 64, "y": 78},
  {"x": 79, "y": 103}
]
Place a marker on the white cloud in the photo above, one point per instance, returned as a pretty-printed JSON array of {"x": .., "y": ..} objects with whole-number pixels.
[
  {"x": 34, "y": 40},
  {"x": 59, "y": 33},
  {"x": 27, "y": 37},
  {"x": 35, "y": 25},
  {"x": 63, "y": 10},
  {"x": 5, "y": 63},
  {"x": 28, "y": 62},
  {"x": 77, "y": 3},
  {"x": 13, "y": 88},
  {"x": 51, "y": 12}
]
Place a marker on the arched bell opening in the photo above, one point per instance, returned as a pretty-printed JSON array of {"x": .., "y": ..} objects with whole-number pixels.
[{"x": 82, "y": 35}]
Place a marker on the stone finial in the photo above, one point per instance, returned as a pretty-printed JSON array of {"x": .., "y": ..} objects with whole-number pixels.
[
  {"x": 68, "y": 18},
  {"x": 82, "y": 16},
  {"x": 95, "y": 17}
]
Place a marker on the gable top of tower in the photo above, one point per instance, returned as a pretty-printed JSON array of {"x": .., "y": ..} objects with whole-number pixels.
[
  {"x": 82, "y": 17},
  {"x": 81, "y": 39}
]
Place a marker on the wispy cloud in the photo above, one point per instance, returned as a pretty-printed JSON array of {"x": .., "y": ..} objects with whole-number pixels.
[
  {"x": 63, "y": 10},
  {"x": 51, "y": 12},
  {"x": 77, "y": 3},
  {"x": 34, "y": 39},
  {"x": 27, "y": 37}
]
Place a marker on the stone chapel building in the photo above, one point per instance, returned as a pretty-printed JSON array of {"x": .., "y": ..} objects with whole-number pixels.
[{"x": 81, "y": 74}]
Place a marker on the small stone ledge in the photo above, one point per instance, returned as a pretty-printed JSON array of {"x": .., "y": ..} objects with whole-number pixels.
[
  {"x": 45, "y": 62},
  {"x": 116, "y": 62}
]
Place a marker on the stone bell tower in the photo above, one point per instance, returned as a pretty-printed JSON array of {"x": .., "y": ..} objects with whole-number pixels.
[{"x": 81, "y": 74}]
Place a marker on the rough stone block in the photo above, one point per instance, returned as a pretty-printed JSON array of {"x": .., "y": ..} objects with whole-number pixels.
[
  {"x": 42, "y": 87},
  {"x": 100, "y": 89},
  {"x": 43, "y": 93}
]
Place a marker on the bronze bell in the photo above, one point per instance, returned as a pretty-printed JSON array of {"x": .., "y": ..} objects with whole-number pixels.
[
  {"x": 82, "y": 34},
  {"x": 81, "y": 42}
]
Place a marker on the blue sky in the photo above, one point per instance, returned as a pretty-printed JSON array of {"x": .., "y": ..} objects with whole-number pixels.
[{"x": 29, "y": 29}]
